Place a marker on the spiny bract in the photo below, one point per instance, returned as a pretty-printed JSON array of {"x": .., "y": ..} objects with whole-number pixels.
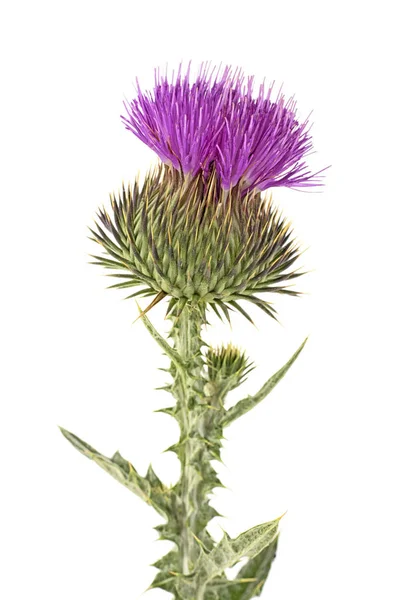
[
  {"x": 227, "y": 367},
  {"x": 188, "y": 239}
]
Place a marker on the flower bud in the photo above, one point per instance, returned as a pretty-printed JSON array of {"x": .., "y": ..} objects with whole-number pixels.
[{"x": 226, "y": 366}]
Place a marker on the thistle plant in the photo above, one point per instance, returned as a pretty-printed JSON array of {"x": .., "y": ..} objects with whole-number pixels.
[{"x": 198, "y": 234}]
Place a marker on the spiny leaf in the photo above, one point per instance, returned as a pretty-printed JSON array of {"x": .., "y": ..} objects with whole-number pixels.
[
  {"x": 164, "y": 581},
  {"x": 228, "y": 552},
  {"x": 170, "y": 530},
  {"x": 248, "y": 403},
  {"x": 165, "y": 388},
  {"x": 170, "y": 410},
  {"x": 169, "y": 562},
  {"x": 123, "y": 471},
  {"x": 205, "y": 515},
  {"x": 251, "y": 578},
  {"x": 171, "y": 353},
  {"x": 117, "y": 467}
]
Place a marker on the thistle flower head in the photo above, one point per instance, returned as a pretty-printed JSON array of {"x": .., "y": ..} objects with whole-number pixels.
[
  {"x": 226, "y": 365},
  {"x": 190, "y": 240},
  {"x": 216, "y": 122}
]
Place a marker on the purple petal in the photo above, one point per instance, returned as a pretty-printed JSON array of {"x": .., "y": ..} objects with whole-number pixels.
[{"x": 215, "y": 122}]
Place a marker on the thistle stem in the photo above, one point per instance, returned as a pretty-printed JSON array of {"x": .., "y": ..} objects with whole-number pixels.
[
  {"x": 200, "y": 592},
  {"x": 187, "y": 387}
]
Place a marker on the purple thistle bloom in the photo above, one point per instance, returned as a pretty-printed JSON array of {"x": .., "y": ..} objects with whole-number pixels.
[{"x": 216, "y": 122}]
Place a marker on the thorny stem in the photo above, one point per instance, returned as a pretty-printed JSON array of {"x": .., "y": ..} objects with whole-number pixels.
[{"x": 187, "y": 387}]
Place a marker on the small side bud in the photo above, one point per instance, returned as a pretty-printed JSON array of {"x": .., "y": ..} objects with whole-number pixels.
[{"x": 227, "y": 367}]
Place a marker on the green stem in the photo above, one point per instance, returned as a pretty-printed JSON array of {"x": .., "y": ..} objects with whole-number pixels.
[
  {"x": 187, "y": 389},
  {"x": 200, "y": 592}
]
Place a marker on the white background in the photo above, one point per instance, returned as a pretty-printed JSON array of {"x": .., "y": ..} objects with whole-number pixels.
[{"x": 322, "y": 445}]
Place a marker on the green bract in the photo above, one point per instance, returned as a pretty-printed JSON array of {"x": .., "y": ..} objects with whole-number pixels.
[
  {"x": 190, "y": 240},
  {"x": 227, "y": 368}
]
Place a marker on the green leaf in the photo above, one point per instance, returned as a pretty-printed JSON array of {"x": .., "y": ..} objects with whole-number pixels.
[
  {"x": 170, "y": 530},
  {"x": 228, "y": 552},
  {"x": 171, "y": 353},
  {"x": 168, "y": 566},
  {"x": 250, "y": 402},
  {"x": 149, "y": 489},
  {"x": 165, "y": 581},
  {"x": 185, "y": 588},
  {"x": 170, "y": 410},
  {"x": 168, "y": 562},
  {"x": 251, "y": 578}
]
